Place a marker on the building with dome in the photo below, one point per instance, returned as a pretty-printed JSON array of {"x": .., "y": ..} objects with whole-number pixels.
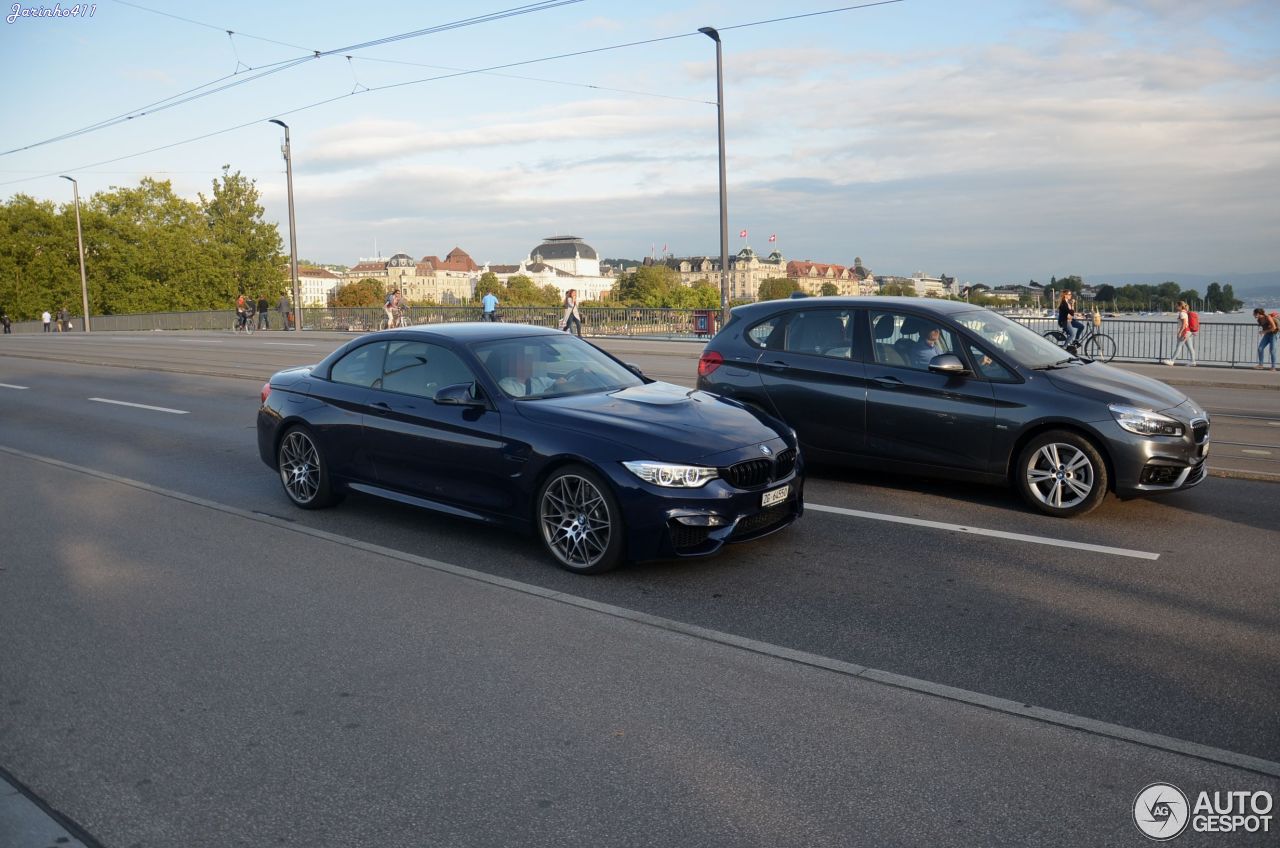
[
  {"x": 747, "y": 271},
  {"x": 566, "y": 262}
]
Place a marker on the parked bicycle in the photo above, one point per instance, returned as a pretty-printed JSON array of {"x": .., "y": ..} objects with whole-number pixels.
[{"x": 1091, "y": 345}]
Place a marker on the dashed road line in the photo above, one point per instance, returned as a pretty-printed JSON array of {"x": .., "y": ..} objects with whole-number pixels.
[
  {"x": 290, "y": 344},
  {"x": 11, "y": 386},
  {"x": 141, "y": 406},
  {"x": 981, "y": 531},
  {"x": 1253, "y": 452}
]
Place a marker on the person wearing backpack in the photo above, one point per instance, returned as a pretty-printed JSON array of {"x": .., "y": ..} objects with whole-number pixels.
[
  {"x": 1268, "y": 329},
  {"x": 1188, "y": 328}
]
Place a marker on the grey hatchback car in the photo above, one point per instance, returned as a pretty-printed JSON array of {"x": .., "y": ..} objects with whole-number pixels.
[{"x": 948, "y": 389}]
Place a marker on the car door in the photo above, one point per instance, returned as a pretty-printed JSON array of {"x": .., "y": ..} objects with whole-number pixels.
[
  {"x": 915, "y": 415},
  {"x": 816, "y": 382},
  {"x": 446, "y": 453},
  {"x": 346, "y": 394}
]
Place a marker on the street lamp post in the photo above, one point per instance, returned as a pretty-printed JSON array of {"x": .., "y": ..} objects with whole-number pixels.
[
  {"x": 293, "y": 230},
  {"x": 711, "y": 33},
  {"x": 84, "y": 281}
]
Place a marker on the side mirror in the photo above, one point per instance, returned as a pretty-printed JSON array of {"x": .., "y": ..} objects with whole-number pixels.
[
  {"x": 459, "y": 394},
  {"x": 947, "y": 363}
]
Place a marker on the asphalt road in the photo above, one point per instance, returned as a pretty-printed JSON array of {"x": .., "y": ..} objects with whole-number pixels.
[{"x": 1186, "y": 645}]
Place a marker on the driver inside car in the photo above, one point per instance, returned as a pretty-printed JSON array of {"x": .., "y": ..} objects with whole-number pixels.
[{"x": 519, "y": 379}]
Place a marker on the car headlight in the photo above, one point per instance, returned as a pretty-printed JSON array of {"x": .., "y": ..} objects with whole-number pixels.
[
  {"x": 1144, "y": 422},
  {"x": 671, "y": 475}
]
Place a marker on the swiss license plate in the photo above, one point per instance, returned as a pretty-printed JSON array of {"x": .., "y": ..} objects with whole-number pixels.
[{"x": 777, "y": 496}]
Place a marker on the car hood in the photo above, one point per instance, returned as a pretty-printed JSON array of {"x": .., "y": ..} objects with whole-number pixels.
[
  {"x": 1114, "y": 385},
  {"x": 663, "y": 420}
]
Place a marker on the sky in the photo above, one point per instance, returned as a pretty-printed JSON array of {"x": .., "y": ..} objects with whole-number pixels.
[{"x": 994, "y": 141}]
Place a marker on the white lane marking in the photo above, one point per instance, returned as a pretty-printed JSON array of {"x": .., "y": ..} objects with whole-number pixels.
[
  {"x": 980, "y": 531},
  {"x": 11, "y": 386},
  {"x": 1255, "y": 452},
  {"x": 142, "y": 406},
  {"x": 289, "y": 344},
  {"x": 202, "y": 341}
]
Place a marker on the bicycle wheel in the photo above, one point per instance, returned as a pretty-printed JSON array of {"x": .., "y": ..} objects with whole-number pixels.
[
  {"x": 1101, "y": 347},
  {"x": 1057, "y": 337}
]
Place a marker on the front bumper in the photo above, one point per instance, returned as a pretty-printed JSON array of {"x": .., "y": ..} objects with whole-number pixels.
[
  {"x": 1147, "y": 465},
  {"x": 665, "y": 523}
]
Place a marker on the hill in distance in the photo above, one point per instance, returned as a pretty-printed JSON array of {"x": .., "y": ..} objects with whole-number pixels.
[{"x": 1252, "y": 286}]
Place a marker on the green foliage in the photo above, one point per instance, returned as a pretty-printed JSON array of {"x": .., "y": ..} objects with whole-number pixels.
[
  {"x": 776, "y": 288},
  {"x": 146, "y": 250},
  {"x": 830, "y": 289},
  {"x": 898, "y": 290},
  {"x": 366, "y": 292}
]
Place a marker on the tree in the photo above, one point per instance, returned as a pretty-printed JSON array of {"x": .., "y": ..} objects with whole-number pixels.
[
  {"x": 898, "y": 290},
  {"x": 1228, "y": 300},
  {"x": 246, "y": 248},
  {"x": 366, "y": 292},
  {"x": 489, "y": 284},
  {"x": 776, "y": 288},
  {"x": 830, "y": 289},
  {"x": 1105, "y": 293},
  {"x": 650, "y": 285}
]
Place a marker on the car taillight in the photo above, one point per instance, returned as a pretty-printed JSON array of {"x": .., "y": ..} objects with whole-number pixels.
[
  {"x": 709, "y": 362},
  {"x": 266, "y": 391}
]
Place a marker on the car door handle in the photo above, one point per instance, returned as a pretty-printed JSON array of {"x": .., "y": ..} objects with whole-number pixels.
[
  {"x": 888, "y": 382},
  {"x": 380, "y": 408},
  {"x": 776, "y": 365}
]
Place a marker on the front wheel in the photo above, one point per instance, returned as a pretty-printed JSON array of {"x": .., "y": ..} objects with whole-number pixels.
[
  {"x": 1100, "y": 347},
  {"x": 580, "y": 522},
  {"x": 304, "y": 472},
  {"x": 1061, "y": 473}
]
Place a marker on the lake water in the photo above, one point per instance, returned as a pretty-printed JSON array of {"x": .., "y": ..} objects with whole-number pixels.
[{"x": 1228, "y": 339}]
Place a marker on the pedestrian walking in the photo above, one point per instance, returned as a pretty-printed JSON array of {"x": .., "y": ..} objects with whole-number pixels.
[
  {"x": 264, "y": 308},
  {"x": 48, "y": 320},
  {"x": 285, "y": 308},
  {"x": 571, "y": 320},
  {"x": 1268, "y": 329},
  {"x": 1186, "y": 335},
  {"x": 5, "y": 322},
  {"x": 489, "y": 305}
]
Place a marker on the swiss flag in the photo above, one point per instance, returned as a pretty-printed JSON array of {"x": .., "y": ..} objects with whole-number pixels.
[
  {"x": 742, "y": 234},
  {"x": 773, "y": 238}
]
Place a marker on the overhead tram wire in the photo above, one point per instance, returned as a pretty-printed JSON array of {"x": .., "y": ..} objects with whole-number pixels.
[
  {"x": 539, "y": 79},
  {"x": 212, "y": 26},
  {"x": 450, "y": 76},
  {"x": 267, "y": 70}
]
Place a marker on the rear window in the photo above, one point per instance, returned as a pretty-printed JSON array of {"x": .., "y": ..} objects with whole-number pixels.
[{"x": 360, "y": 367}]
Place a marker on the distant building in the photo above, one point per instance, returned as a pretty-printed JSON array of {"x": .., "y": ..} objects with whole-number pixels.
[
  {"x": 316, "y": 286},
  {"x": 431, "y": 279},
  {"x": 812, "y": 276},
  {"x": 566, "y": 262},
  {"x": 746, "y": 271}
]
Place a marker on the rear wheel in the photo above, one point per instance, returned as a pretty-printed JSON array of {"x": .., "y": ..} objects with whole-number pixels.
[
  {"x": 579, "y": 521},
  {"x": 1061, "y": 473},
  {"x": 304, "y": 473},
  {"x": 1057, "y": 337},
  {"x": 1100, "y": 347}
]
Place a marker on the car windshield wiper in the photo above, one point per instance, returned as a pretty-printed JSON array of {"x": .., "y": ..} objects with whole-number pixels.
[{"x": 1061, "y": 363}]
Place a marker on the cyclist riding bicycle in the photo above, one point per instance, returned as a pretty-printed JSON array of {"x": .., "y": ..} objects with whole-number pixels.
[
  {"x": 394, "y": 307},
  {"x": 1072, "y": 328}
]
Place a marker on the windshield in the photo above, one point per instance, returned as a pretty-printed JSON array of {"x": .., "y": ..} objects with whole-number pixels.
[
  {"x": 551, "y": 366},
  {"x": 1010, "y": 338}
]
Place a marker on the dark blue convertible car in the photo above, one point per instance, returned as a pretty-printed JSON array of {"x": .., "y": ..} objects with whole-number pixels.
[{"x": 533, "y": 429}]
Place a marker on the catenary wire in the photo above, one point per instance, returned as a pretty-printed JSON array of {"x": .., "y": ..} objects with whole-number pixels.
[
  {"x": 442, "y": 77},
  {"x": 277, "y": 67}
]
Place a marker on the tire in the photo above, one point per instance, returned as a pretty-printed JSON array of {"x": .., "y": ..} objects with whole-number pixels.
[
  {"x": 304, "y": 472},
  {"x": 579, "y": 521},
  {"x": 1100, "y": 347},
  {"x": 1061, "y": 473},
  {"x": 1057, "y": 337}
]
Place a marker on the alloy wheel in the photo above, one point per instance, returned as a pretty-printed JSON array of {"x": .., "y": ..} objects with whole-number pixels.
[
  {"x": 1060, "y": 476},
  {"x": 300, "y": 467},
  {"x": 575, "y": 520}
]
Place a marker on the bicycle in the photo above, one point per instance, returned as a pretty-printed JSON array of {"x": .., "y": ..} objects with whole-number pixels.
[
  {"x": 244, "y": 323},
  {"x": 1092, "y": 345},
  {"x": 400, "y": 320}
]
